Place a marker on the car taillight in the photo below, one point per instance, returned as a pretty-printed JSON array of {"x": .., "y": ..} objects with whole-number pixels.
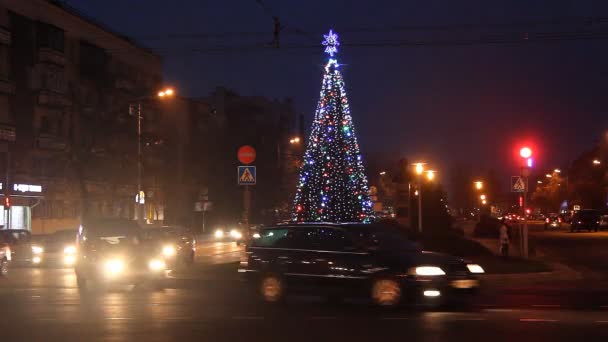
[
  {"x": 559, "y": 220},
  {"x": 547, "y": 220}
]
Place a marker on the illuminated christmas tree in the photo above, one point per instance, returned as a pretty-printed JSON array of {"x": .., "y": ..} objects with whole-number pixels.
[{"x": 332, "y": 185}]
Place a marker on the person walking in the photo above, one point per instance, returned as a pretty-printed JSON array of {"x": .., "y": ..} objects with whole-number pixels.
[{"x": 504, "y": 238}]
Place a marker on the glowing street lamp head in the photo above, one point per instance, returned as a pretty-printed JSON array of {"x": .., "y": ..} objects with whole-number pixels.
[
  {"x": 525, "y": 152},
  {"x": 419, "y": 167},
  {"x": 596, "y": 162},
  {"x": 548, "y": 175},
  {"x": 482, "y": 197},
  {"x": 557, "y": 171},
  {"x": 430, "y": 175},
  {"x": 166, "y": 92},
  {"x": 478, "y": 185}
]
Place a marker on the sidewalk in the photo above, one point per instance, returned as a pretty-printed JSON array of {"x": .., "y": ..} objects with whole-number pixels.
[{"x": 559, "y": 276}]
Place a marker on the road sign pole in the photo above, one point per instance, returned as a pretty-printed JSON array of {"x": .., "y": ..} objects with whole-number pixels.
[
  {"x": 525, "y": 229},
  {"x": 246, "y": 206}
]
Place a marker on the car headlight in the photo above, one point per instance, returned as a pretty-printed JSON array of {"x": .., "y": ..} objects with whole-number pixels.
[
  {"x": 474, "y": 268},
  {"x": 113, "y": 267},
  {"x": 219, "y": 234},
  {"x": 157, "y": 265},
  {"x": 429, "y": 271},
  {"x": 256, "y": 235},
  {"x": 69, "y": 250},
  {"x": 168, "y": 251},
  {"x": 37, "y": 250},
  {"x": 236, "y": 234},
  {"x": 69, "y": 260}
]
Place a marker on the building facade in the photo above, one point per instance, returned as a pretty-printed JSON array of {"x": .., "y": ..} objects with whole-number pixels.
[{"x": 66, "y": 84}]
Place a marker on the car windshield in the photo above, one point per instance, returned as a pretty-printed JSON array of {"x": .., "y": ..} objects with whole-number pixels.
[
  {"x": 113, "y": 228},
  {"x": 162, "y": 233},
  {"x": 61, "y": 236}
]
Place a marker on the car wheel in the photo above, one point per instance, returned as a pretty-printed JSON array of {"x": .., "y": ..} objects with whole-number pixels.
[
  {"x": 272, "y": 288},
  {"x": 386, "y": 292},
  {"x": 3, "y": 268}
]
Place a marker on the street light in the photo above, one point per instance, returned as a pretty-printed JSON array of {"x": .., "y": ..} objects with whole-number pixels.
[
  {"x": 484, "y": 202},
  {"x": 596, "y": 162},
  {"x": 557, "y": 171},
  {"x": 539, "y": 182},
  {"x": 430, "y": 175},
  {"x": 548, "y": 175},
  {"x": 295, "y": 140},
  {"x": 478, "y": 185},
  {"x": 166, "y": 92},
  {"x": 526, "y": 153},
  {"x": 419, "y": 167},
  {"x": 482, "y": 197},
  {"x": 382, "y": 173}
]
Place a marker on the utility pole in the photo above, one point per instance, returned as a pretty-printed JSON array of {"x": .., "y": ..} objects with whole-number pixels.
[{"x": 140, "y": 198}]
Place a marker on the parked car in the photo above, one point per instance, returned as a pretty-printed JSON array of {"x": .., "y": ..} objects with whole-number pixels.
[
  {"x": 113, "y": 251},
  {"x": 587, "y": 219},
  {"x": 604, "y": 222},
  {"x": 176, "y": 244},
  {"x": 370, "y": 260},
  {"x": 553, "y": 221},
  {"x": 59, "y": 248},
  {"x": 23, "y": 251},
  {"x": 5, "y": 257}
]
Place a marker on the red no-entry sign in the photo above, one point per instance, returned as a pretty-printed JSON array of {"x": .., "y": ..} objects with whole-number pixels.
[{"x": 246, "y": 154}]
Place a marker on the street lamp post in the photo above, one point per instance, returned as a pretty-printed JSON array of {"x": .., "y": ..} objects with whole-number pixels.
[
  {"x": 140, "y": 197},
  {"x": 526, "y": 154},
  {"x": 419, "y": 168}
]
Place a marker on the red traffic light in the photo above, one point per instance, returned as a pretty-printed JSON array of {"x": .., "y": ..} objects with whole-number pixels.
[{"x": 525, "y": 152}]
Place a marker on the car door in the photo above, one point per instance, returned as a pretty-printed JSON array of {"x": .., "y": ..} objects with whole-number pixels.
[{"x": 343, "y": 262}]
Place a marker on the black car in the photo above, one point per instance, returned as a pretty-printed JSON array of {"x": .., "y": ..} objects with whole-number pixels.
[
  {"x": 176, "y": 244},
  {"x": 553, "y": 221},
  {"x": 114, "y": 251},
  {"x": 351, "y": 260},
  {"x": 587, "y": 219},
  {"x": 58, "y": 248},
  {"x": 24, "y": 252}
]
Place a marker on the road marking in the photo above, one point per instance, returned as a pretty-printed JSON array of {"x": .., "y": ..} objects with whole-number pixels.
[
  {"x": 537, "y": 320},
  {"x": 546, "y": 306},
  {"x": 322, "y": 317},
  {"x": 395, "y": 318},
  {"x": 248, "y": 317}
]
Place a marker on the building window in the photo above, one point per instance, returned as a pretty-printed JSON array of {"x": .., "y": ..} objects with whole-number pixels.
[
  {"x": 93, "y": 61},
  {"x": 4, "y": 63},
  {"x": 49, "y": 36}
]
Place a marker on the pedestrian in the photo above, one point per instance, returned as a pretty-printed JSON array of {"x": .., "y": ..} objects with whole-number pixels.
[{"x": 504, "y": 238}]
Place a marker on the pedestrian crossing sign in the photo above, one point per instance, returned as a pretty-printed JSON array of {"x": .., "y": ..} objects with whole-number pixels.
[
  {"x": 518, "y": 184},
  {"x": 246, "y": 175}
]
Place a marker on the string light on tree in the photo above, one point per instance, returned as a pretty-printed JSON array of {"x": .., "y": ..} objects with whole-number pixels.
[{"x": 332, "y": 185}]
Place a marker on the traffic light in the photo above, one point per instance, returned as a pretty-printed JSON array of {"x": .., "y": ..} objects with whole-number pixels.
[{"x": 7, "y": 203}]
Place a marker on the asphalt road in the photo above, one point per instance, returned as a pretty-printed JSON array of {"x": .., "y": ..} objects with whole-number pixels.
[{"x": 46, "y": 305}]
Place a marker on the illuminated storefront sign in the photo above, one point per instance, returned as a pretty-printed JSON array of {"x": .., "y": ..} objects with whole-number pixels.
[{"x": 27, "y": 188}]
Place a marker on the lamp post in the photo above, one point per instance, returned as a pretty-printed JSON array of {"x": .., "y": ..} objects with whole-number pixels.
[
  {"x": 419, "y": 168},
  {"x": 140, "y": 197},
  {"x": 526, "y": 154}
]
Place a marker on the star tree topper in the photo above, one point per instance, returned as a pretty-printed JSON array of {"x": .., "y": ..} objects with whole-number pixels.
[{"x": 331, "y": 41}]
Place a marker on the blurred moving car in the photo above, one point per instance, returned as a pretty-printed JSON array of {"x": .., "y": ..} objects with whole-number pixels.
[
  {"x": 59, "y": 248},
  {"x": 553, "y": 221},
  {"x": 23, "y": 251},
  {"x": 176, "y": 244},
  {"x": 371, "y": 260},
  {"x": 587, "y": 219},
  {"x": 113, "y": 251},
  {"x": 233, "y": 234},
  {"x": 5, "y": 257}
]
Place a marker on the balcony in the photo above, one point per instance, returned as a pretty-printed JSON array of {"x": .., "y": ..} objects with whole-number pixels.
[
  {"x": 50, "y": 142},
  {"x": 46, "y": 55},
  {"x": 8, "y": 133},
  {"x": 7, "y": 86},
  {"x": 5, "y": 36}
]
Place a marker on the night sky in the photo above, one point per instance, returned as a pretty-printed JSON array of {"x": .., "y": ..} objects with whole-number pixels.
[{"x": 448, "y": 104}]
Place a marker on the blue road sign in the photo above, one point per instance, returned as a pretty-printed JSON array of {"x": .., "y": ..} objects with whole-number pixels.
[{"x": 246, "y": 175}]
